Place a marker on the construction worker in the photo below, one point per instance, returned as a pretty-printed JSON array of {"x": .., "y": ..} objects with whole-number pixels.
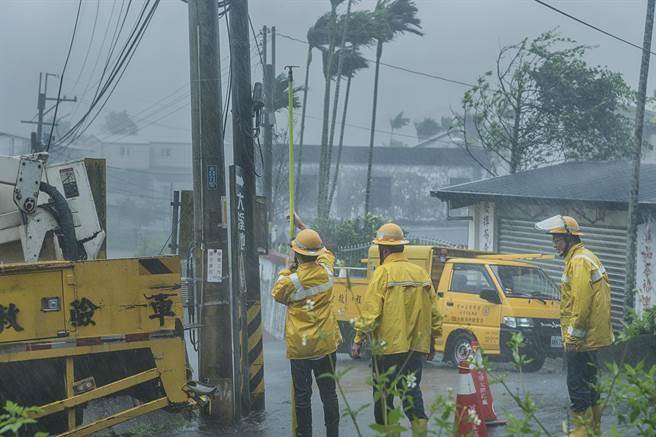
[
  {"x": 311, "y": 329},
  {"x": 400, "y": 318},
  {"x": 584, "y": 319}
]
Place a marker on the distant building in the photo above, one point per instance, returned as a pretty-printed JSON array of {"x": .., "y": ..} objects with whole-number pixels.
[
  {"x": 502, "y": 212},
  {"x": 401, "y": 184},
  {"x": 12, "y": 145}
]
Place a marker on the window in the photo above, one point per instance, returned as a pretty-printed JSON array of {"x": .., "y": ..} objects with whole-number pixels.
[
  {"x": 525, "y": 282},
  {"x": 165, "y": 152},
  {"x": 125, "y": 151},
  {"x": 470, "y": 279}
]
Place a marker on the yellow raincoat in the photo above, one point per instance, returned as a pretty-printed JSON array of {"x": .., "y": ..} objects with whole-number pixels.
[
  {"x": 311, "y": 329},
  {"x": 400, "y": 308},
  {"x": 585, "y": 301}
]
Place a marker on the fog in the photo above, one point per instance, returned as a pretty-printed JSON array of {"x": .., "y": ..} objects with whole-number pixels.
[{"x": 461, "y": 41}]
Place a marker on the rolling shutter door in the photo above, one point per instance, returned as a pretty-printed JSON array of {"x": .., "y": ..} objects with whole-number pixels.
[{"x": 608, "y": 243}]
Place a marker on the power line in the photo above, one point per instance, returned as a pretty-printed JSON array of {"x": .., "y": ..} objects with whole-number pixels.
[
  {"x": 395, "y": 67},
  {"x": 578, "y": 20},
  {"x": 61, "y": 78},
  {"x": 86, "y": 56}
]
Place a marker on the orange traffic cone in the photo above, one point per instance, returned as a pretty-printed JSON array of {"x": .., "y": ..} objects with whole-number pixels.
[
  {"x": 468, "y": 412},
  {"x": 483, "y": 391}
]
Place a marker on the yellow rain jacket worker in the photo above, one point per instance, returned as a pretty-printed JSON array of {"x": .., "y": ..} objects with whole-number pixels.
[
  {"x": 584, "y": 318},
  {"x": 311, "y": 329},
  {"x": 400, "y": 313}
]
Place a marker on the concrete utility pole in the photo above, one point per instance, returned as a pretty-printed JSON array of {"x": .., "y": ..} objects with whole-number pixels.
[
  {"x": 38, "y": 143},
  {"x": 634, "y": 216},
  {"x": 269, "y": 115},
  {"x": 210, "y": 230},
  {"x": 246, "y": 272},
  {"x": 173, "y": 244}
]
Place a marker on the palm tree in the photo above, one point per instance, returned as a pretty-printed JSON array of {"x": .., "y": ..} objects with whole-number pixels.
[
  {"x": 397, "y": 123},
  {"x": 324, "y": 164},
  {"x": 391, "y": 17},
  {"x": 317, "y": 35},
  {"x": 352, "y": 63}
]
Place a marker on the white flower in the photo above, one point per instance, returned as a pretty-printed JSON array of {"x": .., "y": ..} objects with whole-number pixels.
[
  {"x": 383, "y": 343},
  {"x": 309, "y": 305},
  {"x": 473, "y": 417},
  {"x": 304, "y": 340},
  {"x": 411, "y": 380}
]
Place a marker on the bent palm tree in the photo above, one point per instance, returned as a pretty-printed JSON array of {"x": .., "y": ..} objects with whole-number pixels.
[
  {"x": 353, "y": 62},
  {"x": 391, "y": 17},
  {"x": 317, "y": 35}
]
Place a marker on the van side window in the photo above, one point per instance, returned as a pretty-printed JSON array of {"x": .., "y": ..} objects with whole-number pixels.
[{"x": 469, "y": 278}]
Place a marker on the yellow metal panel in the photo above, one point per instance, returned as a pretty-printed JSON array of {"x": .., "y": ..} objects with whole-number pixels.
[
  {"x": 21, "y": 295},
  {"x": 118, "y": 418},
  {"x": 97, "y": 393}
]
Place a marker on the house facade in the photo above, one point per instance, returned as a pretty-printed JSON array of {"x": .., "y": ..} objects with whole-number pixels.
[{"x": 502, "y": 213}]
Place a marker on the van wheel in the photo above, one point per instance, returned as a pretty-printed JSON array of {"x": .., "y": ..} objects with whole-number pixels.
[
  {"x": 460, "y": 348},
  {"x": 536, "y": 364}
]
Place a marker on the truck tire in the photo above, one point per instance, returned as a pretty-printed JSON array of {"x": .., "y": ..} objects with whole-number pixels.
[
  {"x": 459, "y": 347},
  {"x": 536, "y": 363}
]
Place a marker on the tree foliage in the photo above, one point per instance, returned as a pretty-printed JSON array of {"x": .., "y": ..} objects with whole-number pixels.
[
  {"x": 280, "y": 97},
  {"x": 427, "y": 128},
  {"x": 120, "y": 123},
  {"x": 544, "y": 103},
  {"x": 399, "y": 121}
]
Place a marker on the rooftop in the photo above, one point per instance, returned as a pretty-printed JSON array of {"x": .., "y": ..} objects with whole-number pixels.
[{"x": 601, "y": 182}]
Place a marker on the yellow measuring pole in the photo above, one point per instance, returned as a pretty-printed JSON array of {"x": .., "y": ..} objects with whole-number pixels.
[
  {"x": 290, "y": 110},
  {"x": 290, "y": 114}
]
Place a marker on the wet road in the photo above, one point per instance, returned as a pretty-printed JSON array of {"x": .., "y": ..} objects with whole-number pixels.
[{"x": 547, "y": 387}]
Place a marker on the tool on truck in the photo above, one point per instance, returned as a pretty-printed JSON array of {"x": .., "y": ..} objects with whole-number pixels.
[
  {"x": 73, "y": 329},
  {"x": 482, "y": 296}
]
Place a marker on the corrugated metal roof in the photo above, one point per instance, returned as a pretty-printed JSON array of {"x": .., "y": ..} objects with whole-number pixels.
[{"x": 583, "y": 181}]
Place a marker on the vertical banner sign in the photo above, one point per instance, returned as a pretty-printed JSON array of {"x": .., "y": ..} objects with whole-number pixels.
[
  {"x": 645, "y": 267},
  {"x": 486, "y": 226},
  {"x": 214, "y": 265}
]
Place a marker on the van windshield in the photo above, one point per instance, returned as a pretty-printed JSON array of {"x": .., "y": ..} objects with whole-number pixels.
[{"x": 524, "y": 281}]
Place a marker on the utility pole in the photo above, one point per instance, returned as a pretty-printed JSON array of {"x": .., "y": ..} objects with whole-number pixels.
[
  {"x": 210, "y": 230},
  {"x": 38, "y": 143},
  {"x": 246, "y": 272},
  {"x": 634, "y": 215},
  {"x": 269, "y": 115}
]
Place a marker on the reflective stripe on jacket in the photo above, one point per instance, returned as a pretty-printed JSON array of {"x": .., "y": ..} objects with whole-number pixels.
[
  {"x": 311, "y": 329},
  {"x": 585, "y": 300},
  {"x": 400, "y": 308}
]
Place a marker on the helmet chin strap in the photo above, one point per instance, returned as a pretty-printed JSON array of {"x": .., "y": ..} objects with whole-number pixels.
[{"x": 568, "y": 240}]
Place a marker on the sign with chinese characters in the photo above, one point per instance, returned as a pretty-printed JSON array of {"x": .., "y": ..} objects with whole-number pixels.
[
  {"x": 162, "y": 306},
  {"x": 486, "y": 226},
  {"x": 212, "y": 177},
  {"x": 214, "y": 265},
  {"x": 645, "y": 296},
  {"x": 82, "y": 311},
  {"x": 9, "y": 318}
]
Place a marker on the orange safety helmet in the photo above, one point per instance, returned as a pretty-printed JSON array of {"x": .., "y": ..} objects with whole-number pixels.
[
  {"x": 308, "y": 242},
  {"x": 390, "y": 234}
]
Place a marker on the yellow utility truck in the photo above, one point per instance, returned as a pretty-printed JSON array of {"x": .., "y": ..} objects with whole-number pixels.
[
  {"x": 482, "y": 296},
  {"x": 76, "y": 329}
]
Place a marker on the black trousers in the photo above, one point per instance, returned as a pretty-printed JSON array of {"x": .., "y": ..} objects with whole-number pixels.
[
  {"x": 302, "y": 371},
  {"x": 405, "y": 364},
  {"x": 582, "y": 380}
]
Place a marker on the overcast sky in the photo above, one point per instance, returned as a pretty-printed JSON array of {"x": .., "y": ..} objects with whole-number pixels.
[{"x": 462, "y": 39}]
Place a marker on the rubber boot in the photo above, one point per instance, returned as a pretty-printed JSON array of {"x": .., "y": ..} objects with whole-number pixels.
[
  {"x": 582, "y": 423},
  {"x": 596, "y": 419},
  {"x": 419, "y": 428}
]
